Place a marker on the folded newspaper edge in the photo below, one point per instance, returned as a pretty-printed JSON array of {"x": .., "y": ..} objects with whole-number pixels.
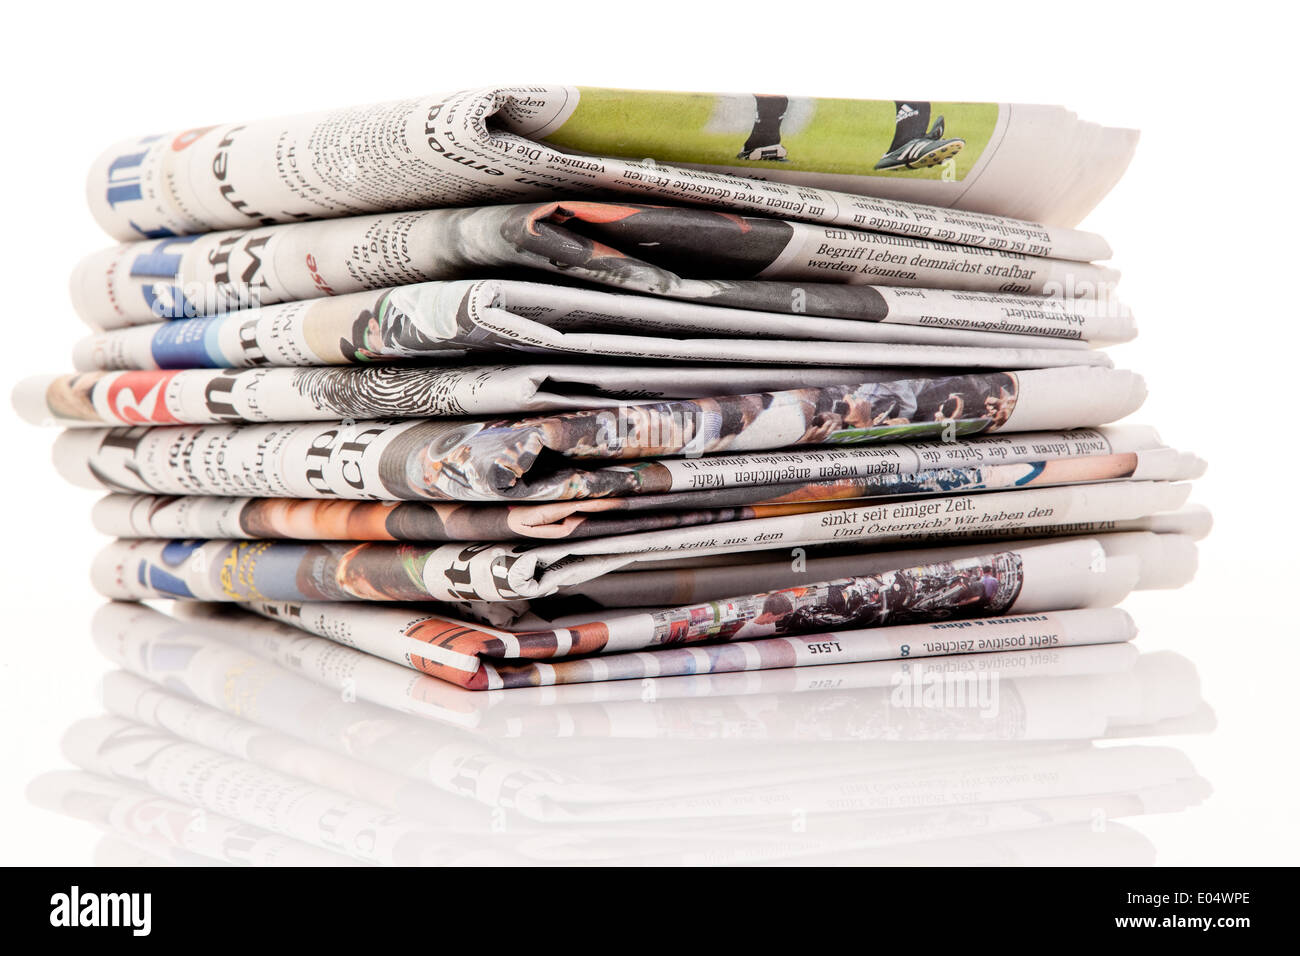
[
  {"x": 140, "y": 569},
  {"x": 1161, "y": 561},
  {"x": 676, "y": 254},
  {"x": 508, "y": 144},
  {"x": 420, "y": 643},
  {"x": 684, "y": 581},
  {"x": 199, "y": 516},
  {"x": 441, "y": 322},
  {"x": 204, "y": 396},
  {"x": 209, "y": 396},
  {"x": 1050, "y": 577},
  {"x": 458, "y": 459}
]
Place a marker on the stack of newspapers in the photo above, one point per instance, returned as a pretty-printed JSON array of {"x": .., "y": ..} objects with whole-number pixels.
[{"x": 547, "y": 385}]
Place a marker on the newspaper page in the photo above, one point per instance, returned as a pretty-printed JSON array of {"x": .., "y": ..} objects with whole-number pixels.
[
  {"x": 804, "y": 157},
  {"x": 462, "y": 459}
]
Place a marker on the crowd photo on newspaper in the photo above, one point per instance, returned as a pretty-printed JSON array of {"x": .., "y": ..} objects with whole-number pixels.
[{"x": 535, "y": 386}]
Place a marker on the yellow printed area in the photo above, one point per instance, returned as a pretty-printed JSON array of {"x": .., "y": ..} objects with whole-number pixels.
[{"x": 820, "y": 135}]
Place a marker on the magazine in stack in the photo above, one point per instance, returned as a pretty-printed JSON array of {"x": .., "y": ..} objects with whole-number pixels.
[{"x": 553, "y": 385}]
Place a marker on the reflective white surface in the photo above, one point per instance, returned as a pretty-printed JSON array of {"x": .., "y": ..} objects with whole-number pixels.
[{"x": 228, "y": 740}]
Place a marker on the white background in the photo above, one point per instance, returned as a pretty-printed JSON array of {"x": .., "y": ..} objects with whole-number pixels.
[{"x": 1203, "y": 227}]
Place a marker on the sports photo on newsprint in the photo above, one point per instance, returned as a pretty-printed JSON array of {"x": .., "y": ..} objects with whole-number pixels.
[{"x": 632, "y": 437}]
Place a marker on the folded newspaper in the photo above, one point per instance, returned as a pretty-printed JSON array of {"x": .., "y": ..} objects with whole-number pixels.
[
  {"x": 672, "y": 446},
  {"x": 553, "y": 385},
  {"x": 1026, "y": 597},
  {"x": 810, "y": 158},
  {"x": 981, "y": 464},
  {"x": 669, "y": 252}
]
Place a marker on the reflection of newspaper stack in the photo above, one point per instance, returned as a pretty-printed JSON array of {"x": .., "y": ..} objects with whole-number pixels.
[
  {"x": 623, "y": 384},
  {"x": 232, "y": 739}
]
